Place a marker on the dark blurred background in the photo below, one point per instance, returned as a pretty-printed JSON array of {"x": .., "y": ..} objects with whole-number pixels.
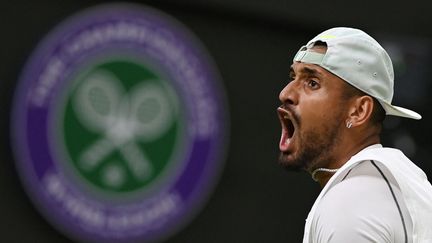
[{"x": 252, "y": 43}]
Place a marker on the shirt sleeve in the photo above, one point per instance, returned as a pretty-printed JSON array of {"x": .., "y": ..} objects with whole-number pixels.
[{"x": 359, "y": 209}]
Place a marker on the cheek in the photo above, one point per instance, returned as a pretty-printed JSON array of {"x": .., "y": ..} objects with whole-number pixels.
[{"x": 315, "y": 112}]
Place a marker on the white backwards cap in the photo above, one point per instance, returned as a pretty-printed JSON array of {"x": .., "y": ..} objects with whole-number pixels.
[{"x": 360, "y": 60}]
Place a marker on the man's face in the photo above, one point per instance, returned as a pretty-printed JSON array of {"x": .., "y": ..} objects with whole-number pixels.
[{"x": 312, "y": 115}]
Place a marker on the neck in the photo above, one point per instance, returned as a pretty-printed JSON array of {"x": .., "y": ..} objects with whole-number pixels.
[{"x": 343, "y": 153}]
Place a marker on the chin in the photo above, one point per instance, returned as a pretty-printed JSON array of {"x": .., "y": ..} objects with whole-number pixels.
[{"x": 290, "y": 163}]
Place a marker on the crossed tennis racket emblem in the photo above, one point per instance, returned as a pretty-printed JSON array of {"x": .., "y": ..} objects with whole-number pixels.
[{"x": 142, "y": 114}]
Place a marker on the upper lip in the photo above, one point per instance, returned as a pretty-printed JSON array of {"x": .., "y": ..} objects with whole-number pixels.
[{"x": 287, "y": 120}]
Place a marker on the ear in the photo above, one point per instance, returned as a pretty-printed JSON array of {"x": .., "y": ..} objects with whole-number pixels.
[{"x": 360, "y": 110}]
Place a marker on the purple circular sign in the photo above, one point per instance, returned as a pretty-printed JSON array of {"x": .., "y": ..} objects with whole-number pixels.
[{"x": 119, "y": 125}]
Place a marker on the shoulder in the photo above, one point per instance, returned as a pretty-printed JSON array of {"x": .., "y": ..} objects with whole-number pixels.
[{"x": 359, "y": 208}]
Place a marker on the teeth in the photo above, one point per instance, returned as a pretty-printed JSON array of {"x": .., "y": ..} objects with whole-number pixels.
[{"x": 287, "y": 140}]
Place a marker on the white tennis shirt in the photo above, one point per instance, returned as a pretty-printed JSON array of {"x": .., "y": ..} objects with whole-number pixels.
[{"x": 379, "y": 195}]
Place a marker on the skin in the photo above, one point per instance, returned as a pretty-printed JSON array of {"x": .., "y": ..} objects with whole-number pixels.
[{"x": 315, "y": 101}]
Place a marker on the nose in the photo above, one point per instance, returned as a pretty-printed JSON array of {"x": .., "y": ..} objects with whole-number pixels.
[{"x": 289, "y": 95}]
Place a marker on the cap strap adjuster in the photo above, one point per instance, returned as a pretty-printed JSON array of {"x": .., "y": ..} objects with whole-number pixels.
[{"x": 309, "y": 57}]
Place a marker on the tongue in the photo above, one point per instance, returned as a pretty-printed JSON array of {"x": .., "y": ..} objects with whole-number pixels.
[{"x": 284, "y": 141}]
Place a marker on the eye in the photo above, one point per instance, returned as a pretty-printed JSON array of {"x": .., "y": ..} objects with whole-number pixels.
[{"x": 313, "y": 84}]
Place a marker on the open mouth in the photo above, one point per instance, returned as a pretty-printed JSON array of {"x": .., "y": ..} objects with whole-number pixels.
[{"x": 288, "y": 129}]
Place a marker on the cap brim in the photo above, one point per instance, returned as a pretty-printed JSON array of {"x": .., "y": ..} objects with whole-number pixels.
[{"x": 400, "y": 111}]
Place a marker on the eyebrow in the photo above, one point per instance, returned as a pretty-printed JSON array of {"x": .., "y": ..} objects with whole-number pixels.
[{"x": 309, "y": 71}]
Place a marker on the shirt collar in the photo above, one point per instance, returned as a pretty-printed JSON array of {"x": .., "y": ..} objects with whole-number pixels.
[{"x": 377, "y": 145}]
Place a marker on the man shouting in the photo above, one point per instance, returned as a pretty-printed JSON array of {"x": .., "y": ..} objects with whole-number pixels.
[{"x": 340, "y": 90}]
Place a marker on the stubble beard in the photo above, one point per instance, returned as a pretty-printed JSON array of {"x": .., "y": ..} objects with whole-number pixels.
[{"x": 316, "y": 148}]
